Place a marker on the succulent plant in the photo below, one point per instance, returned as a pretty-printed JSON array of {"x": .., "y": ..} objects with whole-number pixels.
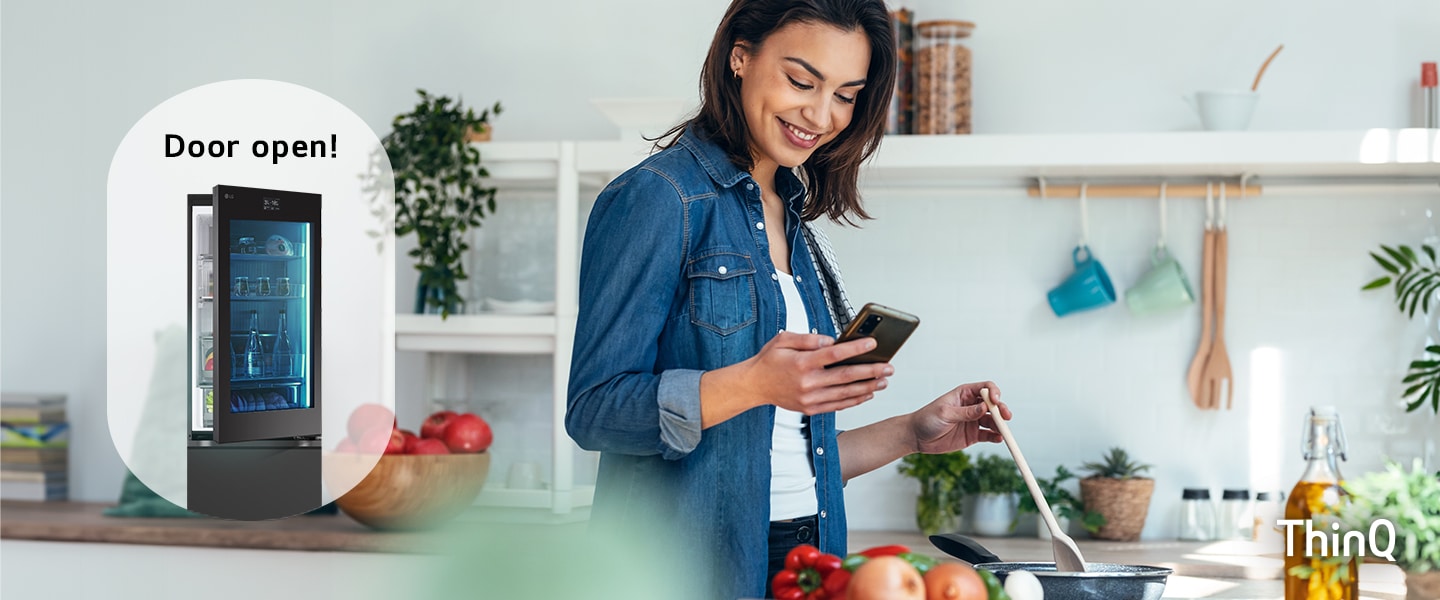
[{"x": 1116, "y": 465}]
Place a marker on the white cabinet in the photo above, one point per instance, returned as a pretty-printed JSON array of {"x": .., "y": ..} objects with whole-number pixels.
[{"x": 903, "y": 162}]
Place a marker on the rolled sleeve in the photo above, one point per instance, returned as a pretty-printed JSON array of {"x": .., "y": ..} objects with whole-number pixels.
[{"x": 679, "y": 398}]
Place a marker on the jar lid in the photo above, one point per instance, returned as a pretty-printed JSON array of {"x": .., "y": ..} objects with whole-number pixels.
[
  {"x": 1267, "y": 496},
  {"x": 1195, "y": 494},
  {"x": 943, "y": 28},
  {"x": 1235, "y": 495}
]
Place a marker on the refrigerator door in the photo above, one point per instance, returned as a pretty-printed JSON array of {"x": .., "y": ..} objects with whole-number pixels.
[
  {"x": 201, "y": 285},
  {"x": 267, "y": 326}
]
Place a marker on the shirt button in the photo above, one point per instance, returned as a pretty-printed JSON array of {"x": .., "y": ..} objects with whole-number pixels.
[
  {"x": 812, "y": 330},
  {"x": 822, "y": 514},
  {"x": 723, "y": 269},
  {"x": 797, "y": 279},
  {"x": 749, "y": 186},
  {"x": 820, "y": 451},
  {"x": 760, "y": 225},
  {"x": 775, "y": 276}
]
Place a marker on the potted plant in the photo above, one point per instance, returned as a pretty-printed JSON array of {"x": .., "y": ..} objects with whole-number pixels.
[
  {"x": 938, "y": 507},
  {"x": 1115, "y": 489},
  {"x": 440, "y": 192},
  {"x": 1415, "y": 280},
  {"x": 995, "y": 483},
  {"x": 1410, "y": 502},
  {"x": 1063, "y": 503}
]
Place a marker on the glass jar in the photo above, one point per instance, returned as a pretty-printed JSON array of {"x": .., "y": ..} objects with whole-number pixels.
[
  {"x": 1197, "y": 515},
  {"x": 942, "y": 78},
  {"x": 902, "y": 104},
  {"x": 1237, "y": 519},
  {"x": 1269, "y": 509}
]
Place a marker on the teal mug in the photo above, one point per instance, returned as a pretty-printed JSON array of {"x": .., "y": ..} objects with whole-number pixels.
[
  {"x": 1088, "y": 287},
  {"x": 1163, "y": 288}
]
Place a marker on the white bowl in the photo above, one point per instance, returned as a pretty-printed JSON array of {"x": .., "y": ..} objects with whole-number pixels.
[{"x": 638, "y": 117}]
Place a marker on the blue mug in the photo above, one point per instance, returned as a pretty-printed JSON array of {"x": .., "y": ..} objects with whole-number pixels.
[{"x": 1088, "y": 287}]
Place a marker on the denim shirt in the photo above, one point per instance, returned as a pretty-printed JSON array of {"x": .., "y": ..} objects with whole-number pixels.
[{"x": 675, "y": 280}]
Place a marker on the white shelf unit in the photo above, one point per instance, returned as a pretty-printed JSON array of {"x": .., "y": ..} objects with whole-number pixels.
[{"x": 902, "y": 162}]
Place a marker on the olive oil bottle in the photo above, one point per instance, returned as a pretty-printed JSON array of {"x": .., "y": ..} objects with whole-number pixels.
[{"x": 1315, "y": 496}]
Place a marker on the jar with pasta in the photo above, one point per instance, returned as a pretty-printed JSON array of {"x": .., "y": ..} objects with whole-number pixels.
[{"x": 942, "y": 78}]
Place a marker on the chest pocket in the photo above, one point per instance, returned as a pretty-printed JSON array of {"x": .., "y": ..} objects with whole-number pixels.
[{"x": 722, "y": 291}]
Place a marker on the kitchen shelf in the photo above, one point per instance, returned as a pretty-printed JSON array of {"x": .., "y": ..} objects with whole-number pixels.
[
  {"x": 480, "y": 334},
  {"x": 909, "y": 161}
]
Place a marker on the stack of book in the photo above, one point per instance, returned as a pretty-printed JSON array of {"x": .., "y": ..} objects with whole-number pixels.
[{"x": 34, "y": 447}]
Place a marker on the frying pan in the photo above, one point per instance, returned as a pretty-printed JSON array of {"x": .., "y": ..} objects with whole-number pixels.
[{"x": 1099, "y": 581}]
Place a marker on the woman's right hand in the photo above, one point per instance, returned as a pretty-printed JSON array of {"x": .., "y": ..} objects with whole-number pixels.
[{"x": 789, "y": 372}]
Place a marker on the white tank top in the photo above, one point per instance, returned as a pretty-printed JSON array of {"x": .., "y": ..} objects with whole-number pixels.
[{"x": 792, "y": 486}]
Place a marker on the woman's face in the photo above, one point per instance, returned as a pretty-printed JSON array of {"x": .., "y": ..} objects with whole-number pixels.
[{"x": 799, "y": 89}]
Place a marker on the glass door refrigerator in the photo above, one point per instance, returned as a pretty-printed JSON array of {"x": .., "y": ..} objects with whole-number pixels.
[{"x": 255, "y": 349}]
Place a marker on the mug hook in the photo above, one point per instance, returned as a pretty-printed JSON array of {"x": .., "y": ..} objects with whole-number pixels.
[
  {"x": 1160, "y": 245},
  {"x": 1084, "y": 217}
]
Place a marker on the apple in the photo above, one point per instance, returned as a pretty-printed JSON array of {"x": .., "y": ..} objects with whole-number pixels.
[
  {"x": 375, "y": 441},
  {"x": 396, "y": 444},
  {"x": 410, "y": 439},
  {"x": 367, "y": 417},
  {"x": 468, "y": 433},
  {"x": 434, "y": 425},
  {"x": 429, "y": 446},
  {"x": 346, "y": 446}
]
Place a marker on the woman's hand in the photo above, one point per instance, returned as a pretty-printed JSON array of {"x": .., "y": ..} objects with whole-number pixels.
[
  {"x": 957, "y": 419},
  {"x": 789, "y": 372}
]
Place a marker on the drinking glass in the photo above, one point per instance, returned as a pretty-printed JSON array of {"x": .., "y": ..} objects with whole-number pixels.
[{"x": 242, "y": 286}]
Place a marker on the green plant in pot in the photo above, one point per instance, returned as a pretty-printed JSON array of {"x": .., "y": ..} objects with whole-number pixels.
[
  {"x": 938, "y": 507},
  {"x": 996, "y": 484},
  {"x": 440, "y": 193},
  {"x": 1114, "y": 489},
  {"x": 1066, "y": 506},
  {"x": 1415, "y": 279},
  {"x": 1410, "y": 502}
]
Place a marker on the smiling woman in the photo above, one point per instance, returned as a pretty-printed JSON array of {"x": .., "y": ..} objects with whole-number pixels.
[{"x": 709, "y": 306}]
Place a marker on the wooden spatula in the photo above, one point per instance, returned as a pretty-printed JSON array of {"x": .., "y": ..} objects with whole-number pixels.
[
  {"x": 1067, "y": 554},
  {"x": 1217, "y": 367},
  {"x": 1207, "y": 308}
]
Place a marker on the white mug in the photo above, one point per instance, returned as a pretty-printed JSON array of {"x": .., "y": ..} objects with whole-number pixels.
[{"x": 1224, "y": 110}]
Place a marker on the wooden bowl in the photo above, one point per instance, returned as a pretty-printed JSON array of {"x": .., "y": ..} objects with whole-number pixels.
[{"x": 416, "y": 491}]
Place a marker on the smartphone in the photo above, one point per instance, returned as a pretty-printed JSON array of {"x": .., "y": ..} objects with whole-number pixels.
[{"x": 888, "y": 326}]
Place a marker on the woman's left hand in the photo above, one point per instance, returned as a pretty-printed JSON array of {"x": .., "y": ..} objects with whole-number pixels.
[{"x": 957, "y": 419}]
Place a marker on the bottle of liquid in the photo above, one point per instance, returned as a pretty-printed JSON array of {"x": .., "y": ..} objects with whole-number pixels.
[
  {"x": 284, "y": 364},
  {"x": 1316, "y": 495},
  {"x": 254, "y": 359},
  {"x": 1429, "y": 96}
]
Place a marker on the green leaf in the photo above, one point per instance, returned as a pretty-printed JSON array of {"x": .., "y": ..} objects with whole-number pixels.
[
  {"x": 1378, "y": 283},
  {"x": 1409, "y": 254},
  {"x": 1433, "y": 349},
  {"x": 1424, "y": 364},
  {"x": 1385, "y": 264},
  {"x": 1430, "y": 252},
  {"x": 1400, "y": 259}
]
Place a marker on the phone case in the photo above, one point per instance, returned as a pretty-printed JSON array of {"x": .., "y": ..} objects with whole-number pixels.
[{"x": 890, "y": 332}]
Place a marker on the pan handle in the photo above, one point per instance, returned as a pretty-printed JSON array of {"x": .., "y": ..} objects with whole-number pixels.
[{"x": 963, "y": 548}]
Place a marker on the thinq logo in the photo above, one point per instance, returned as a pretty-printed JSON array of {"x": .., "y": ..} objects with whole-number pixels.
[{"x": 1340, "y": 544}]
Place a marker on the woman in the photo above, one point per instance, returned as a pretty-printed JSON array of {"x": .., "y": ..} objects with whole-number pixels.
[{"x": 707, "y": 316}]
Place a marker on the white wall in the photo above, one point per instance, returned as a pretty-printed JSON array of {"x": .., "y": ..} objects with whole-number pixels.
[{"x": 74, "y": 76}]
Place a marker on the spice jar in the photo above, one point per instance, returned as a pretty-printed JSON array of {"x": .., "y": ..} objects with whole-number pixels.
[
  {"x": 1237, "y": 519},
  {"x": 942, "y": 78},
  {"x": 901, "y": 118},
  {"x": 1197, "y": 515}
]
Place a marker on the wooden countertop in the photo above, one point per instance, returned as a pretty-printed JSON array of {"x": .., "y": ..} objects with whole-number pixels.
[{"x": 83, "y": 522}]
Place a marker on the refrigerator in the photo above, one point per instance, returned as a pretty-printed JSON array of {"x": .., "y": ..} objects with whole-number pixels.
[{"x": 254, "y": 394}]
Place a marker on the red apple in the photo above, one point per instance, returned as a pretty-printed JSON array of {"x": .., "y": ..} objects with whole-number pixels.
[
  {"x": 346, "y": 446},
  {"x": 410, "y": 439},
  {"x": 367, "y": 417},
  {"x": 429, "y": 446},
  {"x": 375, "y": 441},
  {"x": 434, "y": 425},
  {"x": 397, "y": 442},
  {"x": 468, "y": 433}
]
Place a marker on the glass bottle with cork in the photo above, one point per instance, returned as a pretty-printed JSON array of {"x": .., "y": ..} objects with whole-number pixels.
[{"x": 1315, "y": 496}]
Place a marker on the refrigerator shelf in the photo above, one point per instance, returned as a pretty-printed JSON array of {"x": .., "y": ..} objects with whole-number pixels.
[
  {"x": 238, "y": 383},
  {"x": 264, "y": 298},
  {"x": 263, "y": 257}
]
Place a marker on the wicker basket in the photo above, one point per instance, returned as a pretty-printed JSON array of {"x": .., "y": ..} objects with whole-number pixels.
[
  {"x": 1123, "y": 502},
  {"x": 1422, "y": 586}
]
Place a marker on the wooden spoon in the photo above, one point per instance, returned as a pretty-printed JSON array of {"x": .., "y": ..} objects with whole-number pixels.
[
  {"x": 1217, "y": 368},
  {"x": 1256, "y": 85},
  {"x": 1067, "y": 554},
  {"x": 1207, "y": 308}
]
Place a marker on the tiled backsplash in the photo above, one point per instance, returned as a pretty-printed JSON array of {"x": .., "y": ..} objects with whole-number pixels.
[{"x": 975, "y": 267}]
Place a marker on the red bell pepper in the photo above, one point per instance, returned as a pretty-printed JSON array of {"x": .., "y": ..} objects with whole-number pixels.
[{"x": 806, "y": 572}]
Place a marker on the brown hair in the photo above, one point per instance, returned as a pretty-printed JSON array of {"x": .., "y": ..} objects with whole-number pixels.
[{"x": 832, "y": 173}]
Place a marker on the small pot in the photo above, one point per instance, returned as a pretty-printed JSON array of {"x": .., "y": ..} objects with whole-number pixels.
[
  {"x": 1123, "y": 502},
  {"x": 995, "y": 514},
  {"x": 1422, "y": 586}
]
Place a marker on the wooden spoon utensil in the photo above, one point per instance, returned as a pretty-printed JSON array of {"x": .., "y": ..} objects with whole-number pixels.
[
  {"x": 1067, "y": 554},
  {"x": 1194, "y": 378}
]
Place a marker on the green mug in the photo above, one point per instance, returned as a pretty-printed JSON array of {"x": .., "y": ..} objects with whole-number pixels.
[{"x": 1165, "y": 287}]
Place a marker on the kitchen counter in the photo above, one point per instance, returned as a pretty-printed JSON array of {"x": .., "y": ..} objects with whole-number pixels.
[
  {"x": 1219, "y": 570},
  {"x": 83, "y": 522}
]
